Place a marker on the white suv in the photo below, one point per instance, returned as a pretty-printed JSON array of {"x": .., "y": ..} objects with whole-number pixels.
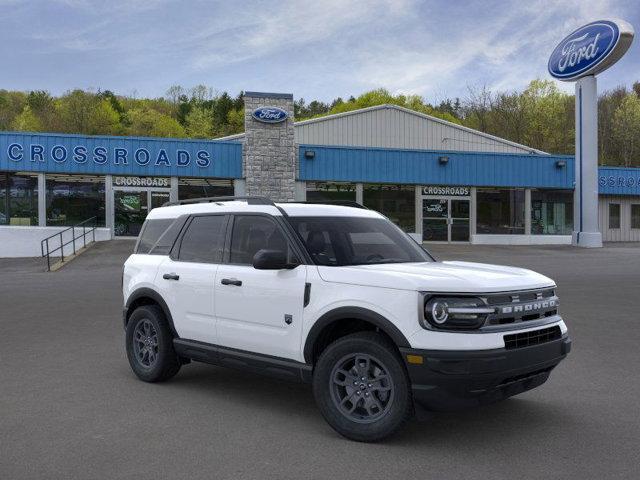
[{"x": 339, "y": 297}]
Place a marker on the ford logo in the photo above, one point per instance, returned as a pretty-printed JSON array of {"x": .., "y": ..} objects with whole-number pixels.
[
  {"x": 590, "y": 49},
  {"x": 270, "y": 114}
]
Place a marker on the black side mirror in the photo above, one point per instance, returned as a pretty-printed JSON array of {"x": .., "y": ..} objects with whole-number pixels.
[{"x": 271, "y": 260}]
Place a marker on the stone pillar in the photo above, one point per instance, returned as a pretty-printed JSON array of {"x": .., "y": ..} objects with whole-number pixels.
[{"x": 270, "y": 161}]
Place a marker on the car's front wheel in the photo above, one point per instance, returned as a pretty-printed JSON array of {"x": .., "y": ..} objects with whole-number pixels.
[
  {"x": 150, "y": 345},
  {"x": 362, "y": 387}
]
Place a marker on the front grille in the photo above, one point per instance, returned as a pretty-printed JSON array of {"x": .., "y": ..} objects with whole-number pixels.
[
  {"x": 535, "y": 337},
  {"x": 521, "y": 306}
]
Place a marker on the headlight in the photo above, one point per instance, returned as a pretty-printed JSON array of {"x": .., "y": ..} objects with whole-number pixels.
[{"x": 455, "y": 312}]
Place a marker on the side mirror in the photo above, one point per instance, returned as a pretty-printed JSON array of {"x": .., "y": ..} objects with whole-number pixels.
[{"x": 271, "y": 260}]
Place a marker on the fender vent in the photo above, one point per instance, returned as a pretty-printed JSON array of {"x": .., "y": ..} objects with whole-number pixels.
[{"x": 535, "y": 337}]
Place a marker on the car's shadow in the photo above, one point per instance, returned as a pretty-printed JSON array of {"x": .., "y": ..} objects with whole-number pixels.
[{"x": 506, "y": 420}]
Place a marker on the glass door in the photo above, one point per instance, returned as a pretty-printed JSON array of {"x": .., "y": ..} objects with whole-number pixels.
[
  {"x": 130, "y": 210},
  {"x": 459, "y": 220},
  {"x": 131, "y": 206},
  {"x": 445, "y": 220},
  {"x": 158, "y": 199},
  {"x": 435, "y": 215}
]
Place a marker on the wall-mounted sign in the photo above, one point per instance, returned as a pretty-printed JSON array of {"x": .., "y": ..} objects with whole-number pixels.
[
  {"x": 590, "y": 49},
  {"x": 270, "y": 114},
  {"x": 141, "y": 182},
  {"x": 446, "y": 191}
]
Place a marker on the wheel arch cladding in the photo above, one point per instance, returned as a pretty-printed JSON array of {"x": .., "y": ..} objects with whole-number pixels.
[
  {"x": 332, "y": 320},
  {"x": 147, "y": 296}
]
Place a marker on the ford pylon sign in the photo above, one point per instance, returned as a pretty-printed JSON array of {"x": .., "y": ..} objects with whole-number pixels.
[
  {"x": 590, "y": 49},
  {"x": 270, "y": 114}
]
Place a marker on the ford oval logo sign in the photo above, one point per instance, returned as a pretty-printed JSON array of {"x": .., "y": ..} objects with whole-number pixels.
[
  {"x": 590, "y": 49},
  {"x": 270, "y": 114}
]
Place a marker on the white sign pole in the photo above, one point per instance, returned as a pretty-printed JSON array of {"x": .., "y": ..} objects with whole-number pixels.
[{"x": 585, "y": 212}]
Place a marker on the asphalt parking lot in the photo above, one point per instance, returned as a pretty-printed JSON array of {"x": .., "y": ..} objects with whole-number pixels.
[{"x": 70, "y": 407}]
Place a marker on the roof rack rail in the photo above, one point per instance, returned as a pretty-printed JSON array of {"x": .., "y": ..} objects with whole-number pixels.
[
  {"x": 250, "y": 199},
  {"x": 343, "y": 203}
]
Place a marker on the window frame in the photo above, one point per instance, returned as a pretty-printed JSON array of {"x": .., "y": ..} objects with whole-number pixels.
[
  {"x": 284, "y": 227},
  {"x": 177, "y": 245}
]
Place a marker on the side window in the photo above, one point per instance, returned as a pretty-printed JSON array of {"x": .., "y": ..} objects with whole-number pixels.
[
  {"x": 151, "y": 232},
  {"x": 252, "y": 233},
  {"x": 203, "y": 241},
  {"x": 318, "y": 242}
]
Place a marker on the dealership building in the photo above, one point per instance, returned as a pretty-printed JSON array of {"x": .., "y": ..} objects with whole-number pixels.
[{"x": 442, "y": 181}]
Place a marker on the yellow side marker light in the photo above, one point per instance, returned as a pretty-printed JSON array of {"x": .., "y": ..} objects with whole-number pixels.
[{"x": 415, "y": 359}]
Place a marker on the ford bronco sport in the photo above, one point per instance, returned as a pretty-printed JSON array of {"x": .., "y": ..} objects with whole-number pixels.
[{"x": 339, "y": 297}]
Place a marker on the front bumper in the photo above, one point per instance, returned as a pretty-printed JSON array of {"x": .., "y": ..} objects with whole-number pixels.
[{"x": 450, "y": 380}]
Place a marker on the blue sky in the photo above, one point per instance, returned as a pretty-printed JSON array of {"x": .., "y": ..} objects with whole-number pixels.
[{"x": 315, "y": 50}]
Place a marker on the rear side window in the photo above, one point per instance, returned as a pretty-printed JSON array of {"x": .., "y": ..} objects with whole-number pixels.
[
  {"x": 203, "y": 241},
  {"x": 151, "y": 232},
  {"x": 167, "y": 239}
]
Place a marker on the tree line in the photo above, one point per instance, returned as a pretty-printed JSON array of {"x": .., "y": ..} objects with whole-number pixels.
[{"x": 540, "y": 116}]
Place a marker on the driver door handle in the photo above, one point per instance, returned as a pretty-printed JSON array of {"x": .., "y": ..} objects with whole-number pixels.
[
  {"x": 171, "y": 276},
  {"x": 231, "y": 281}
]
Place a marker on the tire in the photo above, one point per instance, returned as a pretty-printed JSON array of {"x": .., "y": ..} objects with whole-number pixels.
[
  {"x": 152, "y": 357},
  {"x": 384, "y": 403}
]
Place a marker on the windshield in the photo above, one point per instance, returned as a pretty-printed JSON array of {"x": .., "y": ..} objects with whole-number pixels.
[{"x": 339, "y": 241}]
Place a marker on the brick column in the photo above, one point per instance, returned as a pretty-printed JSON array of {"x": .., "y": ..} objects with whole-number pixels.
[{"x": 270, "y": 160}]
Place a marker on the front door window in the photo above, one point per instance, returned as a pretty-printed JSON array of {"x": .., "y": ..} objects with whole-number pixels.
[{"x": 435, "y": 213}]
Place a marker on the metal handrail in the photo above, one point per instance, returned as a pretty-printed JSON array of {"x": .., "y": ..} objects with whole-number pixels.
[{"x": 86, "y": 230}]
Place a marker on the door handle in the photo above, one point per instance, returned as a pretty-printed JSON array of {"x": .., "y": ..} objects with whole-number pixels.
[
  {"x": 231, "y": 281},
  {"x": 171, "y": 276}
]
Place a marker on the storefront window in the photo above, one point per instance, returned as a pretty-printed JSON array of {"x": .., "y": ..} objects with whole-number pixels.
[
  {"x": 18, "y": 199},
  {"x": 551, "y": 212},
  {"x": 204, "y": 187},
  {"x": 331, "y": 192},
  {"x": 500, "y": 211},
  {"x": 72, "y": 199},
  {"x": 398, "y": 202}
]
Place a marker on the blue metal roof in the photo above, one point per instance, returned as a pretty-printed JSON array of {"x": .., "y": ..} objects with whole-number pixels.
[
  {"x": 380, "y": 165},
  {"x": 58, "y": 153},
  {"x": 619, "y": 181}
]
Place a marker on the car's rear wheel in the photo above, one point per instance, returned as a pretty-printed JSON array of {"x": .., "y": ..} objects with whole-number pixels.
[
  {"x": 362, "y": 388},
  {"x": 150, "y": 345}
]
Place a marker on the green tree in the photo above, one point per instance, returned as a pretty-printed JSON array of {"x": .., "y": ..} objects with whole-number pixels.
[
  {"x": 27, "y": 121},
  {"x": 626, "y": 129},
  {"x": 104, "y": 120},
  {"x": 198, "y": 123},
  {"x": 147, "y": 122},
  {"x": 11, "y": 105},
  {"x": 235, "y": 121}
]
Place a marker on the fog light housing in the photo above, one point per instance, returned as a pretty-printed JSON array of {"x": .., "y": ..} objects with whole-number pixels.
[{"x": 455, "y": 313}]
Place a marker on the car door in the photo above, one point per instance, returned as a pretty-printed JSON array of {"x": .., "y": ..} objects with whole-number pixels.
[
  {"x": 259, "y": 310},
  {"x": 187, "y": 277}
]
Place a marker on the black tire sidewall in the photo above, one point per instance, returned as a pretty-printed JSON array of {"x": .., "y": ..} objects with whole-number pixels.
[
  {"x": 377, "y": 346},
  {"x": 167, "y": 363}
]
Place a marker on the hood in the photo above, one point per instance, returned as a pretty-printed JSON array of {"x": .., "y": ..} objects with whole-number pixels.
[{"x": 461, "y": 277}]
